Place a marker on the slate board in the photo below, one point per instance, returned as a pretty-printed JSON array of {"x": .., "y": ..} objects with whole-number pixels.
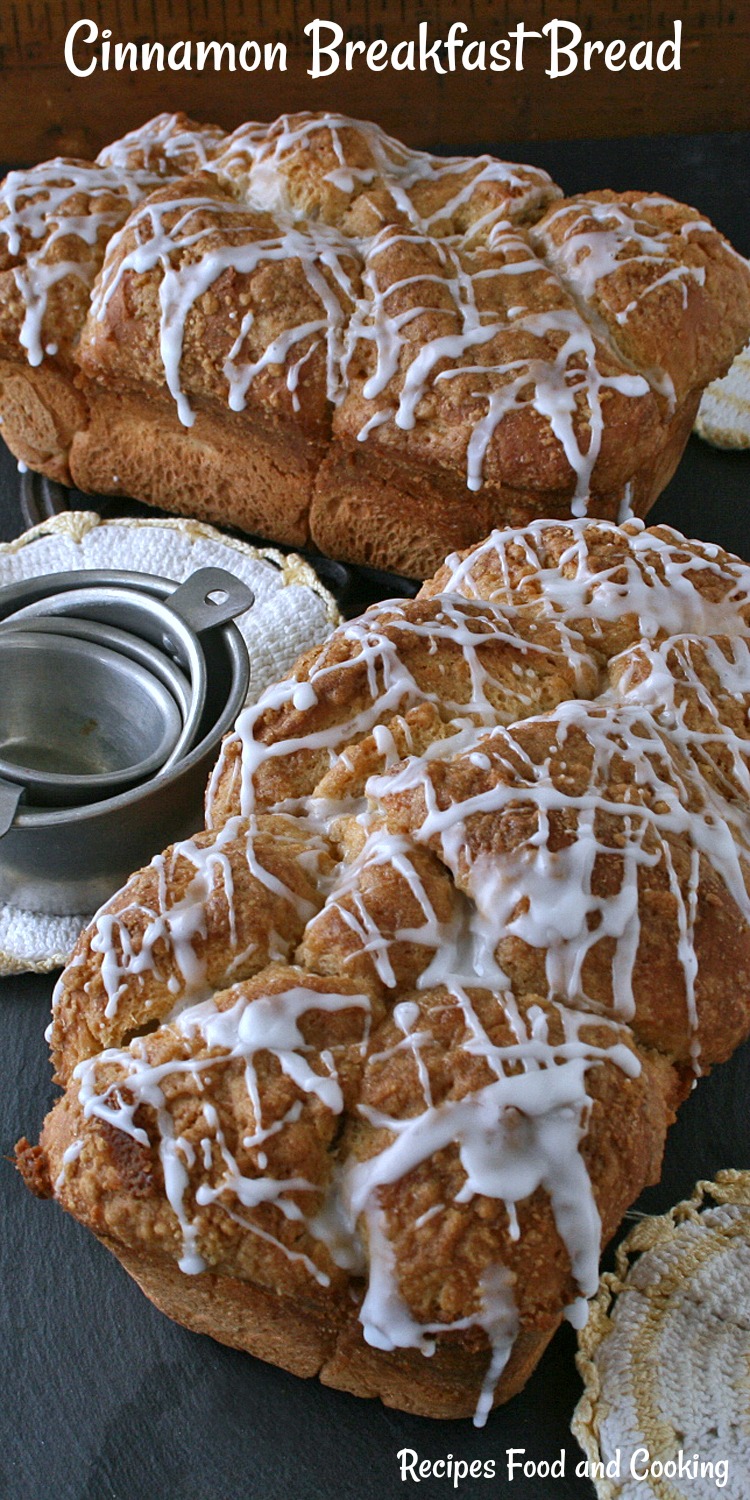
[{"x": 102, "y": 1397}]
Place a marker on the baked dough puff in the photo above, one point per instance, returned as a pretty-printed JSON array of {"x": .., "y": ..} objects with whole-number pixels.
[
  {"x": 249, "y": 284},
  {"x": 42, "y": 219},
  {"x": 323, "y": 167},
  {"x": 231, "y": 321},
  {"x": 390, "y": 1048},
  {"x": 488, "y": 341},
  {"x": 486, "y": 1168},
  {"x": 470, "y": 1194},
  {"x": 600, "y": 867},
  {"x": 475, "y": 359},
  {"x": 209, "y": 910},
  {"x": 206, "y": 1147},
  {"x": 699, "y": 689},
  {"x": 474, "y": 197},
  {"x": 392, "y": 908},
  {"x": 168, "y": 146},
  {"x": 473, "y": 662},
  {"x": 56, "y": 220}
]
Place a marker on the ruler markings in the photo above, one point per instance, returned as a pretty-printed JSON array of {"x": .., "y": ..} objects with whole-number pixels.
[
  {"x": 460, "y": 107},
  {"x": 38, "y": 19}
]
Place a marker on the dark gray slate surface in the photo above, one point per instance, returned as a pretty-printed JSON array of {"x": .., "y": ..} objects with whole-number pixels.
[{"x": 103, "y": 1398}]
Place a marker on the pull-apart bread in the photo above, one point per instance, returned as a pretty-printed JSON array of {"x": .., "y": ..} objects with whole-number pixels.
[
  {"x": 310, "y": 331},
  {"x": 362, "y": 1076}
]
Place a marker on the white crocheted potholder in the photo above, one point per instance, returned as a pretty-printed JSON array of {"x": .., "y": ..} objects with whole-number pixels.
[
  {"x": 292, "y": 611},
  {"x": 665, "y": 1356},
  {"x": 723, "y": 418}
]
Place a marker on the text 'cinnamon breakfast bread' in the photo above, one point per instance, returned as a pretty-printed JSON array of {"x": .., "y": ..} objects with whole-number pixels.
[
  {"x": 310, "y": 331},
  {"x": 362, "y": 1076}
]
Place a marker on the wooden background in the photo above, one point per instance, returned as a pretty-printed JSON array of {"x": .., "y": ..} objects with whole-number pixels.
[{"x": 44, "y": 110}]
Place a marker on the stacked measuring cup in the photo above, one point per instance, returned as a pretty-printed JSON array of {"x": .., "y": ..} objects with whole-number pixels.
[{"x": 116, "y": 690}]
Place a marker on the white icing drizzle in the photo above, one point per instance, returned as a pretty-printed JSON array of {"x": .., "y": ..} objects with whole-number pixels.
[
  {"x": 177, "y": 928},
  {"x": 268, "y": 1024},
  {"x": 70, "y": 1155},
  {"x": 37, "y": 220},
  {"x": 470, "y": 213},
  {"x": 499, "y": 1161},
  {"x": 394, "y": 680},
  {"x": 40, "y": 208},
  {"x": 625, "y": 511},
  {"x": 378, "y": 419}
]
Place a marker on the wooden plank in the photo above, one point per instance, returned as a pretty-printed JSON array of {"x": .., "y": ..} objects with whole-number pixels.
[{"x": 45, "y": 110}]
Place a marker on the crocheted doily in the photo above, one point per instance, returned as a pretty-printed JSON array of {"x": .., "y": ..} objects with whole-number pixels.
[
  {"x": 292, "y": 611},
  {"x": 665, "y": 1357},
  {"x": 724, "y": 413}
]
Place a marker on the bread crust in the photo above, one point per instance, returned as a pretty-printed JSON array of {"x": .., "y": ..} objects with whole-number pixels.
[
  {"x": 298, "y": 1339},
  {"x": 249, "y": 466}
]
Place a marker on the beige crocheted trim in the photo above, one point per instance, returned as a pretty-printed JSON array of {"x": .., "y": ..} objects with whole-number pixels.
[
  {"x": 78, "y": 523},
  {"x": 682, "y": 1257}
]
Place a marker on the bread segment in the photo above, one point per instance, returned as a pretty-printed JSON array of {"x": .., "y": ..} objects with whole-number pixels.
[
  {"x": 362, "y": 1077},
  {"x": 334, "y": 338},
  {"x": 477, "y": 356},
  {"x": 656, "y": 275}
]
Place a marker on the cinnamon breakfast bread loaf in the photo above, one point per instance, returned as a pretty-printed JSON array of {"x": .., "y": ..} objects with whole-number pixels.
[
  {"x": 362, "y": 1076},
  {"x": 310, "y": 331}
]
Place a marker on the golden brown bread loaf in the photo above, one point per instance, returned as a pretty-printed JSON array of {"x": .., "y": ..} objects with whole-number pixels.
[
  {"x": 310, "y": 331},
  {"x": 362, "y": 1076}
]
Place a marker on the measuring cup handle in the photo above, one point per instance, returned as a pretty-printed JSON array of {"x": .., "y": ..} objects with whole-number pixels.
[
  {"x": 210, "y": 597},
  {"x": 10, "y": 796}
]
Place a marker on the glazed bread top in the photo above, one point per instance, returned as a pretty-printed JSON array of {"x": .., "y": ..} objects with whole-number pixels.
[
  {"x": 408, "y": 1020},
  {"x": 58, "y": 218},
  {"x": 455, "y": 309}
]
